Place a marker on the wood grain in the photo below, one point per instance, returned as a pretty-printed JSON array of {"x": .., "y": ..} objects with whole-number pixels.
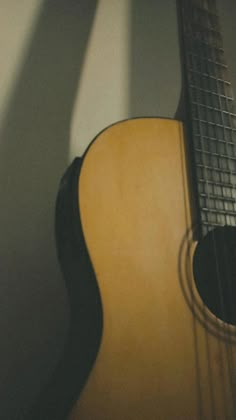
[{"x": 156, "y": 360}]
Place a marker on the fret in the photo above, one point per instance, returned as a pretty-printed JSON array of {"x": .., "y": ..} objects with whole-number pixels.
[
  {"x": 226, "y": 203},
  {"x": 215, "y": 162},
  {"x": 217, "y": 205},
  {"x": 213, "y": 130},
  {"x": 198, "y": 34},
  {"x": 218, "y": 75},
  {"x": 209, "y": 62},
  {"x": 210, "y": 108},
  {"x": 216, "y": 190},
  {"x": 206, "y": 113},
  {"x": 211, "y": 175},
  {"x": 211, "y": 85},
  {"x": 211, "y": 219},
  {"x": 197, "y": 95},
  {"x": 227, "y": 180},
  {"x": 202, "y": 24},
  {"x": 216, "y": 212},
  {"x": 214, "y": 147},
  {"x": 209, "y": 54},
  {"x": 223, "y": 107},
  {"x": 212, "y": 114},
  {"x": 214, "y": 158}
]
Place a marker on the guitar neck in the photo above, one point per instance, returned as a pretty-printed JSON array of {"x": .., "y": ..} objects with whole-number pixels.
[{"x": 212, "y": 118}]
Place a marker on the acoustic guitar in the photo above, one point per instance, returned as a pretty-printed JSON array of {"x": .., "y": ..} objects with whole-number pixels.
[{"x": 155, "y": 200}]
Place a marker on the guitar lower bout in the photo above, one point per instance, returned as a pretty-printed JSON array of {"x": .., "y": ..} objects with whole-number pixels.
[{"x": 157, "y": 359}]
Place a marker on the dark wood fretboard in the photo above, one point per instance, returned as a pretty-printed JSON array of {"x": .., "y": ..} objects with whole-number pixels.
[{"x": 212, "y": 114}]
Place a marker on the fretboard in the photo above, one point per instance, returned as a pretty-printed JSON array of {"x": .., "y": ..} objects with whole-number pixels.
[{"x": 212, "y": 115}]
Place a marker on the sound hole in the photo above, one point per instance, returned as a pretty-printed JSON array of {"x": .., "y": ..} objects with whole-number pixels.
[{"x": 214, "y": 267}]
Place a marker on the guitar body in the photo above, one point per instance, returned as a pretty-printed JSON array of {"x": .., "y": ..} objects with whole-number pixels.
[{"x": 163, "y": 355}]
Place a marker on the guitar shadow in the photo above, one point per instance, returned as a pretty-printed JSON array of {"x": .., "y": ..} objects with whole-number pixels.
[{"x": 33, "y": 155}]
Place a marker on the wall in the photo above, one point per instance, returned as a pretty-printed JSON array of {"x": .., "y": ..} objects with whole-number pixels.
[{"x": 68, "y": 70}]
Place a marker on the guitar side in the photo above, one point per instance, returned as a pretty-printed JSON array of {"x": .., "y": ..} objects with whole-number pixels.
[{"x": 157, "y": 359}]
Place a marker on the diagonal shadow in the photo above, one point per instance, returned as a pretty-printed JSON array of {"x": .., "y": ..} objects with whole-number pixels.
[
  {"x": 154, "y": 59},
  {"x": 33, "y": 155}
]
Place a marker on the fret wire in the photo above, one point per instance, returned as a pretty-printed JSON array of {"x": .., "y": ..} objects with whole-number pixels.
[
  {"x": 219, "y": 179},
  {"x": 216, "y": 154},
  {"x": 204, "y": 167},
  {"x": 233, "y": 114},
  {"x": 226, "y": 171},
  {"x": 212, "y": 224},
  {"x": 211, "y": 117},
  {"x": 212, "y": 101},
  {"x": 219, "y": 93},
  {"x": 216, "y": 191},
  {"x": 215, "y": 125},
  {"x": 218, "y": 204},
  {"x": 219, "y": 211},
  {"x": 216, "y": 85},
  {"x": 218, "y": 63},
  {"x": 216, "y": 160},
  {"x": 213, "y": 93},
  {"x": 227, "y": 146},
  {"x": 192, "y": 32},
  {"x": 215, "y": 183},
  {"x": 205, "y": 43},
  {"x": 209, "y": 92},
  {"x": 215, "y": 139},
  {"x": 206, "y": 53},
  {"x": 207, "y": 71},
  {"x": 218, "y": 197},
  {"x": 211, "y": 76}
]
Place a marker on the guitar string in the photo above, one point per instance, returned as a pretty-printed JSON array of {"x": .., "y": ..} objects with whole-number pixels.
[
  {"x": 187, "y": 264},
  {"x": 208, "y": 228},
  {"x": 221, "y": 345},
  {"x": 210, "y": 221},
  {"x": 209, "y": 366},
  {"x": 233, "y": 191},
  {"x": 219, "y": 280},
  {"x": 227, "y": 139},
  {"x": 229, "y": 353},
  {"x": 229, "y": 281},
  {"x": 188, "y": 271}
]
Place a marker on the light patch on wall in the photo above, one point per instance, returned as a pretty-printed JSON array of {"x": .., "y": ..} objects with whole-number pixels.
[{"x": 103, "y": 91}]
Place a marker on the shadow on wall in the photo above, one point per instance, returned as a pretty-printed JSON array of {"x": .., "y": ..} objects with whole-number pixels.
[
  {"x": 33, "y": 155},
  {"x": 154, "y": 53}
]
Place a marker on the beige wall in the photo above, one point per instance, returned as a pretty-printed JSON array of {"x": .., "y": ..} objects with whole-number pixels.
[
  {"x": 68, "y": 69},
  {"x": 127, "y": 72}
]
